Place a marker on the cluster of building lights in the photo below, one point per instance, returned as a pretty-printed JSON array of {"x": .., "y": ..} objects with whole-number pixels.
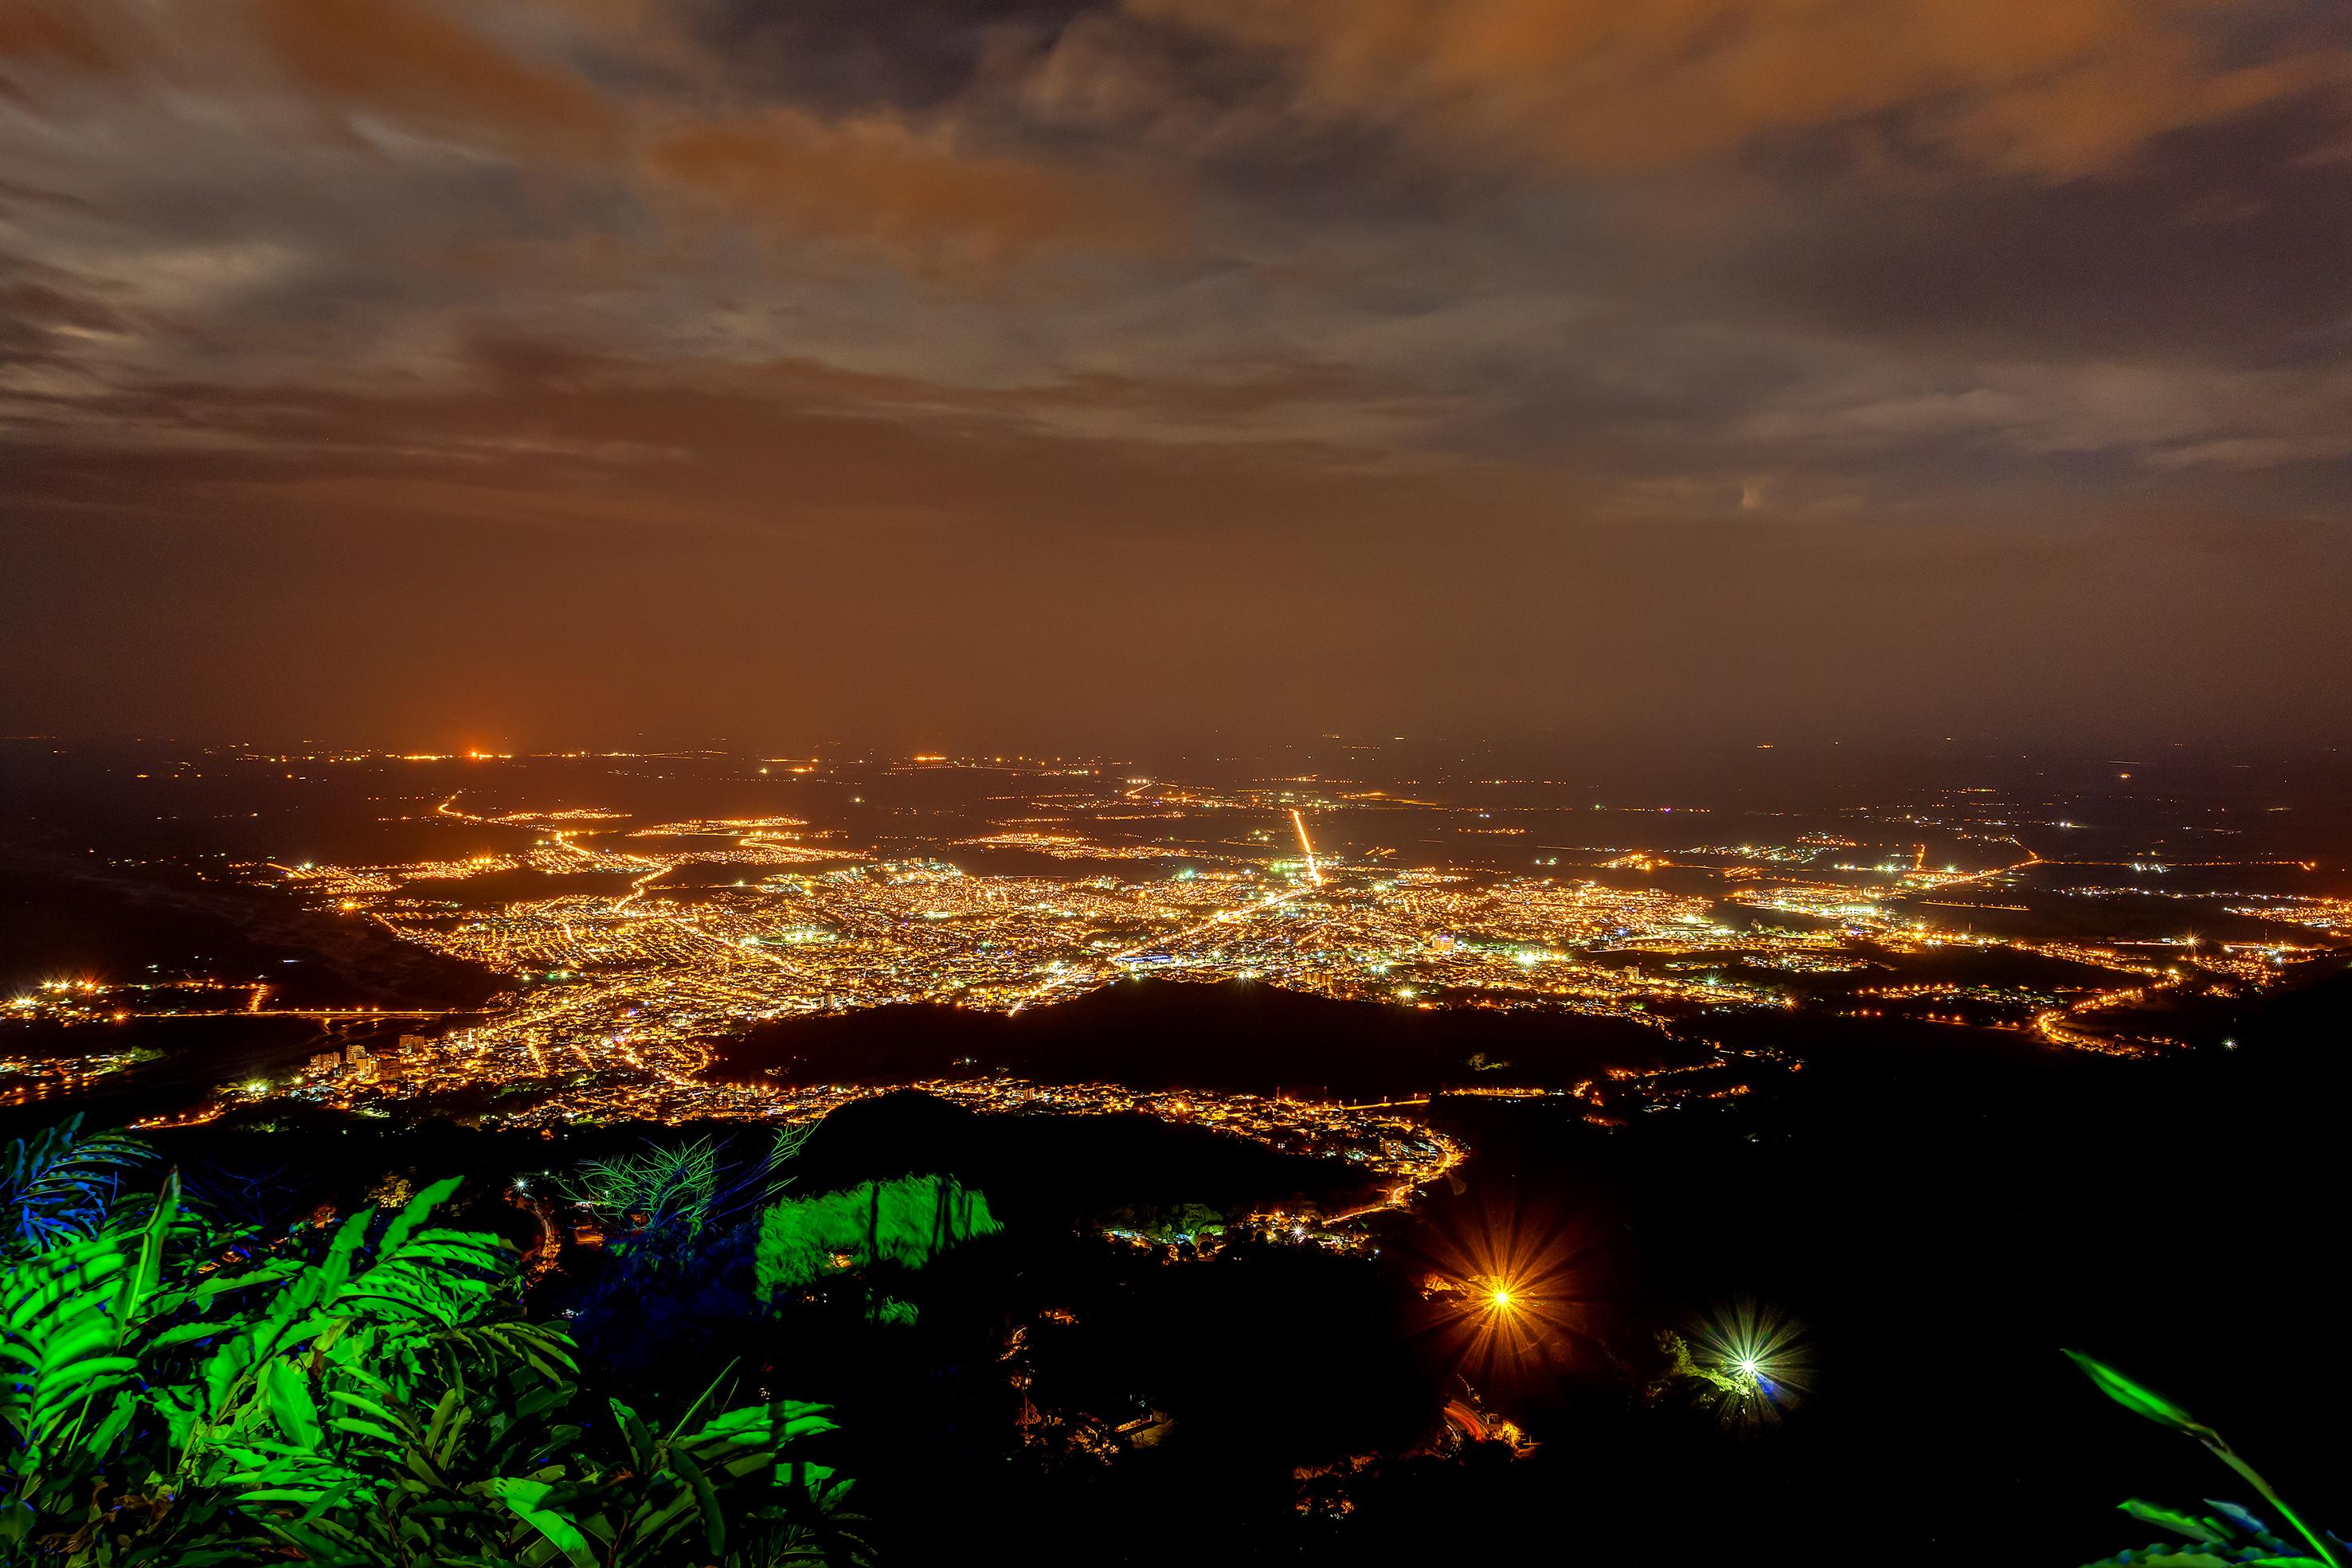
[{"x": 707, "y": 926}]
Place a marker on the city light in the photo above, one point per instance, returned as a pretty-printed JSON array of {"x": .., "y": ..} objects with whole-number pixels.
[{"x": 615, "y": 995}]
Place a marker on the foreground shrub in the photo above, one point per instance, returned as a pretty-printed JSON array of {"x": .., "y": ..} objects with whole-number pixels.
[{"x": 177, "y": 1394}]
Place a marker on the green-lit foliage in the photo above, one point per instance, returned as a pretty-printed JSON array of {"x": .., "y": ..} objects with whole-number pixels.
[
  {"x": 2133, "y": 1398},
  {"x": 366, "y": 1395},
  {"x": 662, "y": 1186},
  {"x": 1192, "y": 1222},
  {"x": 1747, "y": 1364},
  {"x": 2229, "y": 1536},
  {"x": 908, "y": 1222},
  {"x": 688, "y": 1188},
  {"x": 673, "y": 1286},
  {"x": 62, "y": 1184},
  {"x": 671, "y": 1208}
]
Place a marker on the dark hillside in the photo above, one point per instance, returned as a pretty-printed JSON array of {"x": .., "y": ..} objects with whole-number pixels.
[{"x": 1155, "y": 1033}]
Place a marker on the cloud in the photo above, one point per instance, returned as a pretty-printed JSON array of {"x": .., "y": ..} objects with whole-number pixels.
[
  {"x": 1378, "y": 238},
  {"x": 407, "y": 62},
  {"x": 59, "y": 33},
  {"x": 875, "y": 177},
  {"x": 2220, "y": 244},
  {"x": 2166, "y": 417},
  {"x": 1368, "y": 351},
  {"x": 411, "y": 64},
  {"x": 1597, "y": 87},
  {"x": 525, "y": 430},
  {"x": 854, "y": 56},
  {"x": 592, "y": 101}
]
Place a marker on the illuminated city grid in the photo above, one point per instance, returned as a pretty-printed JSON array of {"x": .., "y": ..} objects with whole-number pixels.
[
  {"x": 618, "y": 993},
  {"x": 705, "y": 926}
]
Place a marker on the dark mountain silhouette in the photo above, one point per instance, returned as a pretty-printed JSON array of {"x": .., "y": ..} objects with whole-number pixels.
[{"x": 1155, "y": 1033}]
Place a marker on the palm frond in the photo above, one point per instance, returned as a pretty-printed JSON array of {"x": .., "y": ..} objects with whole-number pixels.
[
  {"x": 63, "y": 1184},
  {"x": 369, "y": 1396}
]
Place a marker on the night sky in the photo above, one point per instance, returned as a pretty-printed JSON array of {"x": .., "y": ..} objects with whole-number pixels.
[{"x": 1069, "y": 371}]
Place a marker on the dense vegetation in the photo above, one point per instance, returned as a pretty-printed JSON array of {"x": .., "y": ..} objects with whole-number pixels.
[
  {"x": 201, "y": 1373},
  {"x": 184, "y": 1390}
]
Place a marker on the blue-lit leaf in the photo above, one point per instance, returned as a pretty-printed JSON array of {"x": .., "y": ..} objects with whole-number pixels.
[{"x": 2179, "y": 1523}]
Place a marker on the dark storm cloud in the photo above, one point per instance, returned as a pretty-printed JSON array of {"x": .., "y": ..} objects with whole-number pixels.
[
  {"x": 1258, "y": 306},
  {"x": 850, "y": 55},
  {"x": 2226, "y": 242}
]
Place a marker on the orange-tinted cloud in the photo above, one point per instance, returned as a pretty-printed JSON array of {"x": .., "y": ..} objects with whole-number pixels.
[
  {"x": 913, "y": 189},
  {"x": 878, "y": 179},
  {"x": 413, "y": 64},
  {"x": 59, "y": 34},
  {"x": 2050, "y": 88}
]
